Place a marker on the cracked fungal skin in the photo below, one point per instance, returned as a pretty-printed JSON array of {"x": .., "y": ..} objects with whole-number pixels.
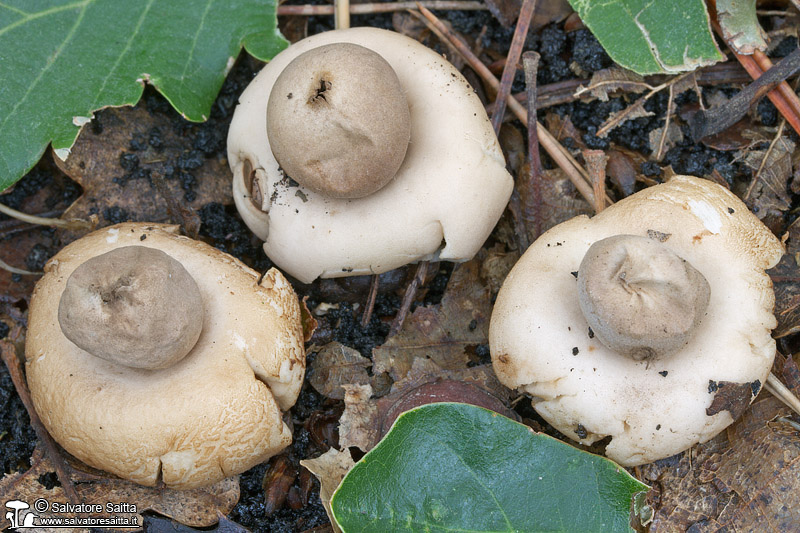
[
  {"x": 650, "y": 409},
  {"x": 214, "y": 413},
  {"x": 338, "y": 121}
]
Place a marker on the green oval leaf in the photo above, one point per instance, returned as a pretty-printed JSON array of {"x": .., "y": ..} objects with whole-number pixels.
[
  {"x": 61, "y": 60},
  {"x": 457, "y": 467},
  {"x": 649, "y": 36}
]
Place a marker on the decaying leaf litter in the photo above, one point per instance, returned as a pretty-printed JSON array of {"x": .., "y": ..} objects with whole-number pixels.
[{"x": 743, "y": 478}]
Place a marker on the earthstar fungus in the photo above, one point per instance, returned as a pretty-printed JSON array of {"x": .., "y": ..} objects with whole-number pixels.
[
  {"x": 205, "y": 400},
  {"x": 680, "y": 350},
  {"x": 345, "y": 133},
  {"x": 440, "y": 202}
]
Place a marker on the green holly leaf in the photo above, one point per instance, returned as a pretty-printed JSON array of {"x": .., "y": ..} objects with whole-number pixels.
[
  {"x": 457, "y": 467},
  {"x": 61, "y": 60},
  {"x": 649, "y": 36}
]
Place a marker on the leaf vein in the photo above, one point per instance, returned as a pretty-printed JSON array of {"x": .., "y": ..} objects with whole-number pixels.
[
  {"x": 40, "y": 14},
  {"x": 124, "y": 51},
  {"x": 50, "y": 62},
  {"x": 194, "y": 40}
]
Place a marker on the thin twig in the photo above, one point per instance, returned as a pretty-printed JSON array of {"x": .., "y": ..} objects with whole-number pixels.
[
  {"x": 784, "y": 99},
  {"x": 670, "y": 110},
  {"x": 177, "y": 209},
  {"x": 368, "y": 9},
  {"x": 408, "y": 298},
  {"x": 775, "y": 387},
  {"x": 620, "y": 117},
  {"x": 575, "y": 172},
  {"x": 510, "y": 69},
  {"x": 370, "y": 306},
  {"x": 72, "y": 224},
  {"x": 596, "y": 165},
  {"x": 630, "y": 86},
  {"x": 765, "y": 63},
  {"x": 563, "y": 92},
  {"x": 14, "y": 270},
  {"x": 530, "y": 62},
  {"x": 341, "y": 15},
  {"x": 726, "y": 115},
  {"x": 435, "y": 30},
  {"x": 789, "y": 421},
  {"x": 9, "y": 355}
]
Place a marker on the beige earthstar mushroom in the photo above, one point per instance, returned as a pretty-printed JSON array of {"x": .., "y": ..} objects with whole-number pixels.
[
  {"x": 649, "y": 323},
  {"x": 202, "y": 396},
  {"x": 447, "y": 193}
]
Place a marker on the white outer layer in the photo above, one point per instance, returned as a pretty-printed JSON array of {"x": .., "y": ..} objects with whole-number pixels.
[
  {"x": 443, "y": 203},
  {"x": 537, "y": 322}
]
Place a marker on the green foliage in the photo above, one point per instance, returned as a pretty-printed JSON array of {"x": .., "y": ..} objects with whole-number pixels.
[
  {"x": 457, "y": 467},
  {"x": 60, "y": 60},
  {"x": 649, "y": 36}
]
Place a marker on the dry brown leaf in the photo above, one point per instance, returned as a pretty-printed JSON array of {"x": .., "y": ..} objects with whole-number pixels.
[
  {"x": 674, "y": 136},
  {"x": 560, "y": 201},
  {"x": 622, "y": 171},
  {"x": 443, "y": 333},
  {"x": 747, "y": 479},
  {"x": 330, "y": 468},
  {"x": 310, "y": 323},
  {"x": 335, "y": 365},
  {"x": 786, "y": 282},
  {"x": 612, "y": 79},
  {"x": 198, "y": 507},
  {"x": 633, "y": 111},
  {"x": 769, "y": 194},
  {"x": 496, "y": 266},
  {"x": 366, "y": 420},
  {"x": 356, "y": 426},
  {"x": 114, "y": 178},
  {"x": 561, "y": 127}
]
